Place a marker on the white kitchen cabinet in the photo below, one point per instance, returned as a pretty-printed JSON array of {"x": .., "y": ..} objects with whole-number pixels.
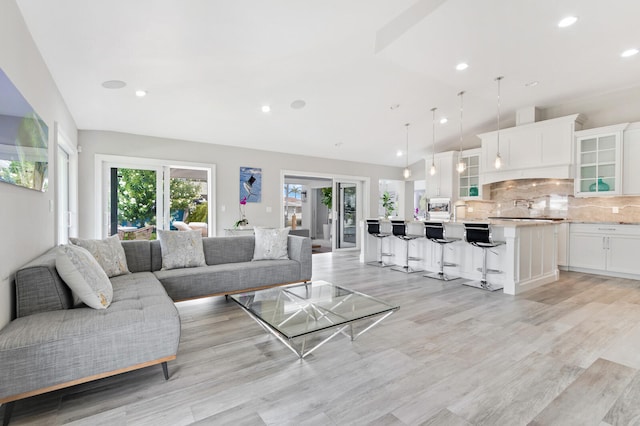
[
  {"x": 544, "y": 149},
  {"x": 443, "y": 183},
  {"x": 469, "y": 187},
  {"x": 599, "y": 161},
  {"x": 605, "y": 249},
  {"x": 631, "y": 160}
]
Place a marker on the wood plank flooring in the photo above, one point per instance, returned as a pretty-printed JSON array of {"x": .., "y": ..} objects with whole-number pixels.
[{"x": 567, "y": 353}]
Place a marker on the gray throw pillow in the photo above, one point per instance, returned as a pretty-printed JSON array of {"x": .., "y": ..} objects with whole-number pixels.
[
  {"x": 87, "y": 280},
  {"x": 181, "y": 249},
  {"x": 108, "y": 252},
  {"x": 271, "y": 244}
]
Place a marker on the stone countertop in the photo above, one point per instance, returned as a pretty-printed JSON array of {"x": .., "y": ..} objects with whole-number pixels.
[
  {"x": 494, "y": 222},
  {"x": 520, "y": 222},
  {"x": 603, "y": 223}
]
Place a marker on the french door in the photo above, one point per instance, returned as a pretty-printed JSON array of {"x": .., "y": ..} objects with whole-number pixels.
[
  {"x": 140, "y": 197},
  {"x": 347, "y": 202},
  {"x": 62, "y": 195},
  {"x": 136, "y": 201},
  {"x": 66, "y": 188}
]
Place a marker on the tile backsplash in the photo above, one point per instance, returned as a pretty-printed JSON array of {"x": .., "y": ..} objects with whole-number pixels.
[{"x": 552, "y": 198}]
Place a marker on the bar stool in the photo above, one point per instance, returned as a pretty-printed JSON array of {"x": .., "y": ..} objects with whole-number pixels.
[
  {"x": 373, "y": 228},
  {"x": 435, "y": 232},
  {"x": 479, "y": 235},
  {"x": 399, "y": 230}
]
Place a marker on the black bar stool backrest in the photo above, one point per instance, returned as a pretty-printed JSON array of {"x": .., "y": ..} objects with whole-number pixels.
[
  {"x": 434, "y": 230},
  {"x": 477, "y": 233},
  {"x": 373, "y": 226},
  {"x": 399, "y": 228}
]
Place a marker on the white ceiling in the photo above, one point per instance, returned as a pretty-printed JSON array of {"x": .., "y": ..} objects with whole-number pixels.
[{"x": 209, "y": 66}]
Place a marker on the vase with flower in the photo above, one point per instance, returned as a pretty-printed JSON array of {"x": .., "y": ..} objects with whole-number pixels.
[{"x": 242, "y": 222}]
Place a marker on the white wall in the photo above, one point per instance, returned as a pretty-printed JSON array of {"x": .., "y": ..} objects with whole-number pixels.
[
  {"x": 28, "y": 225},
  {"x": 622, "y": 106},
  {"x": 228, "y": 161}
]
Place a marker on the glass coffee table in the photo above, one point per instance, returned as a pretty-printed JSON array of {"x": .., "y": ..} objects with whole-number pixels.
[{"x": 298, "y": 314}]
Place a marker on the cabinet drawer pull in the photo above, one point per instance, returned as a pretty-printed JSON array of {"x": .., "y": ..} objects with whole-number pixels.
[{"x": 607, "y": 229}]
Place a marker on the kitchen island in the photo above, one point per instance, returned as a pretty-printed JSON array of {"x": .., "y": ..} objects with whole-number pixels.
[{"x": 528, "y": 258}]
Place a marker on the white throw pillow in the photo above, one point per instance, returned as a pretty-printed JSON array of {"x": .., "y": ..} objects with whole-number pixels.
[
  {"x": 108, "y": 252},
  {"x": 271, "y": 243},
  {"x": 84, "y": 276},
  {"x": 181, "y": 249}
]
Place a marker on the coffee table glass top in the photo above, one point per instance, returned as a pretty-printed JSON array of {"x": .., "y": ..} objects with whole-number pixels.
[{"x": 301, "y": 309}]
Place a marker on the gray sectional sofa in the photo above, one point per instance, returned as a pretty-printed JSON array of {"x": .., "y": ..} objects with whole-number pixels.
[{"x": 51, "y": 345}]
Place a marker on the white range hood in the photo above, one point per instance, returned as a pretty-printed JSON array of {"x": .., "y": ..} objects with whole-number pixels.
[{"x": 537, "y": 150}]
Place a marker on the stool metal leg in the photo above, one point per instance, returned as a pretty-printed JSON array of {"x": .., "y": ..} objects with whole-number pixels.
[
  {"x": 483, "y": 284},
  {"x": 380, "y": 263},
  {"x": 406, "y": 268},
  {"x": 440, "y": 275}
]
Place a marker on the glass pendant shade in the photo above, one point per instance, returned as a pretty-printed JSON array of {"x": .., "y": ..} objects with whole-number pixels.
[
  {"x": 461, "y": 164},
  {"x": 432, "y": 171},
  {"x": 498, "y": 162},
  {"x": 407, "y": 172}
]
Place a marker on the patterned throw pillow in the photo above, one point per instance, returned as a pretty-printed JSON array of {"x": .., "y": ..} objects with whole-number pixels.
[
  {"x": 108, "y": 252},
  {"x": 271, "y": 244},
  {"x": 87, "y": 280},
  {"x": 181, "y": 249}
]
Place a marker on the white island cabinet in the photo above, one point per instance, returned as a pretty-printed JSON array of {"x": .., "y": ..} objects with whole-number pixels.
[
  {"x": 527, "y": 260},
  {"x": 607, "y": 249}
]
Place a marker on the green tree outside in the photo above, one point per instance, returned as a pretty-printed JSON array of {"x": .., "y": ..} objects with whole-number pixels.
[{"x": 137, "y": 196}]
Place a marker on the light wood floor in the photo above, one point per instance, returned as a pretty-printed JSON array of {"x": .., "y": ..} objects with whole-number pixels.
[{"x": 567, "y": 353}]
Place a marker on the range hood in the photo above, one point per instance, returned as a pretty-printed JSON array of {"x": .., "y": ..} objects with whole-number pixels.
[{"x": 537, "y": 150}]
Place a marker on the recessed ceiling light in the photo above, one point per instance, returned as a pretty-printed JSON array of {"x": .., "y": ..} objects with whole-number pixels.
[
  {"x": 141, "y": 93},
  {"x": 567, "y": 22},
  {"x": 114, "y": 84},
  {"x": 532, "y": 83},
  {"x": 298, "y": 104},
  {"x": 444, "y": 120},
  {"x": 462, "y": 66},
  {"x": 399, "y": 153},
  {"x": 266, "y": 108},
  {"x": 629, "y": 52}
]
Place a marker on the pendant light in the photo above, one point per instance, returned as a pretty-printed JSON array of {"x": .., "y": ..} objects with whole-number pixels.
[
  {"x": 498, "y": 162},
  {"x": 432, "y": 171},
  {"x": 461, "y": 164},
  {"x": 407, "y": 172}
]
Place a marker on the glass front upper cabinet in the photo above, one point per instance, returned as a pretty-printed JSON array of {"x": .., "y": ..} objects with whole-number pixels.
[
  {"x": 469, "y": 179},
  {"x": 599, "y": 155}
]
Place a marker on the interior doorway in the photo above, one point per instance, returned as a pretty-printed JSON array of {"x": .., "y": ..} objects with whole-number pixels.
[{"x": 331, "y": 208}]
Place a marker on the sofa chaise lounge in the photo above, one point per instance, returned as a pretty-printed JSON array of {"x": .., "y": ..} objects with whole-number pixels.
[{"x": 52, "y": 345}]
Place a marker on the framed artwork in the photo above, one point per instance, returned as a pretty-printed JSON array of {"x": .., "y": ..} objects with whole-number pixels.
[
  {"x": 250, "y": 184},
  {"x": 24, "y": 155}
]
